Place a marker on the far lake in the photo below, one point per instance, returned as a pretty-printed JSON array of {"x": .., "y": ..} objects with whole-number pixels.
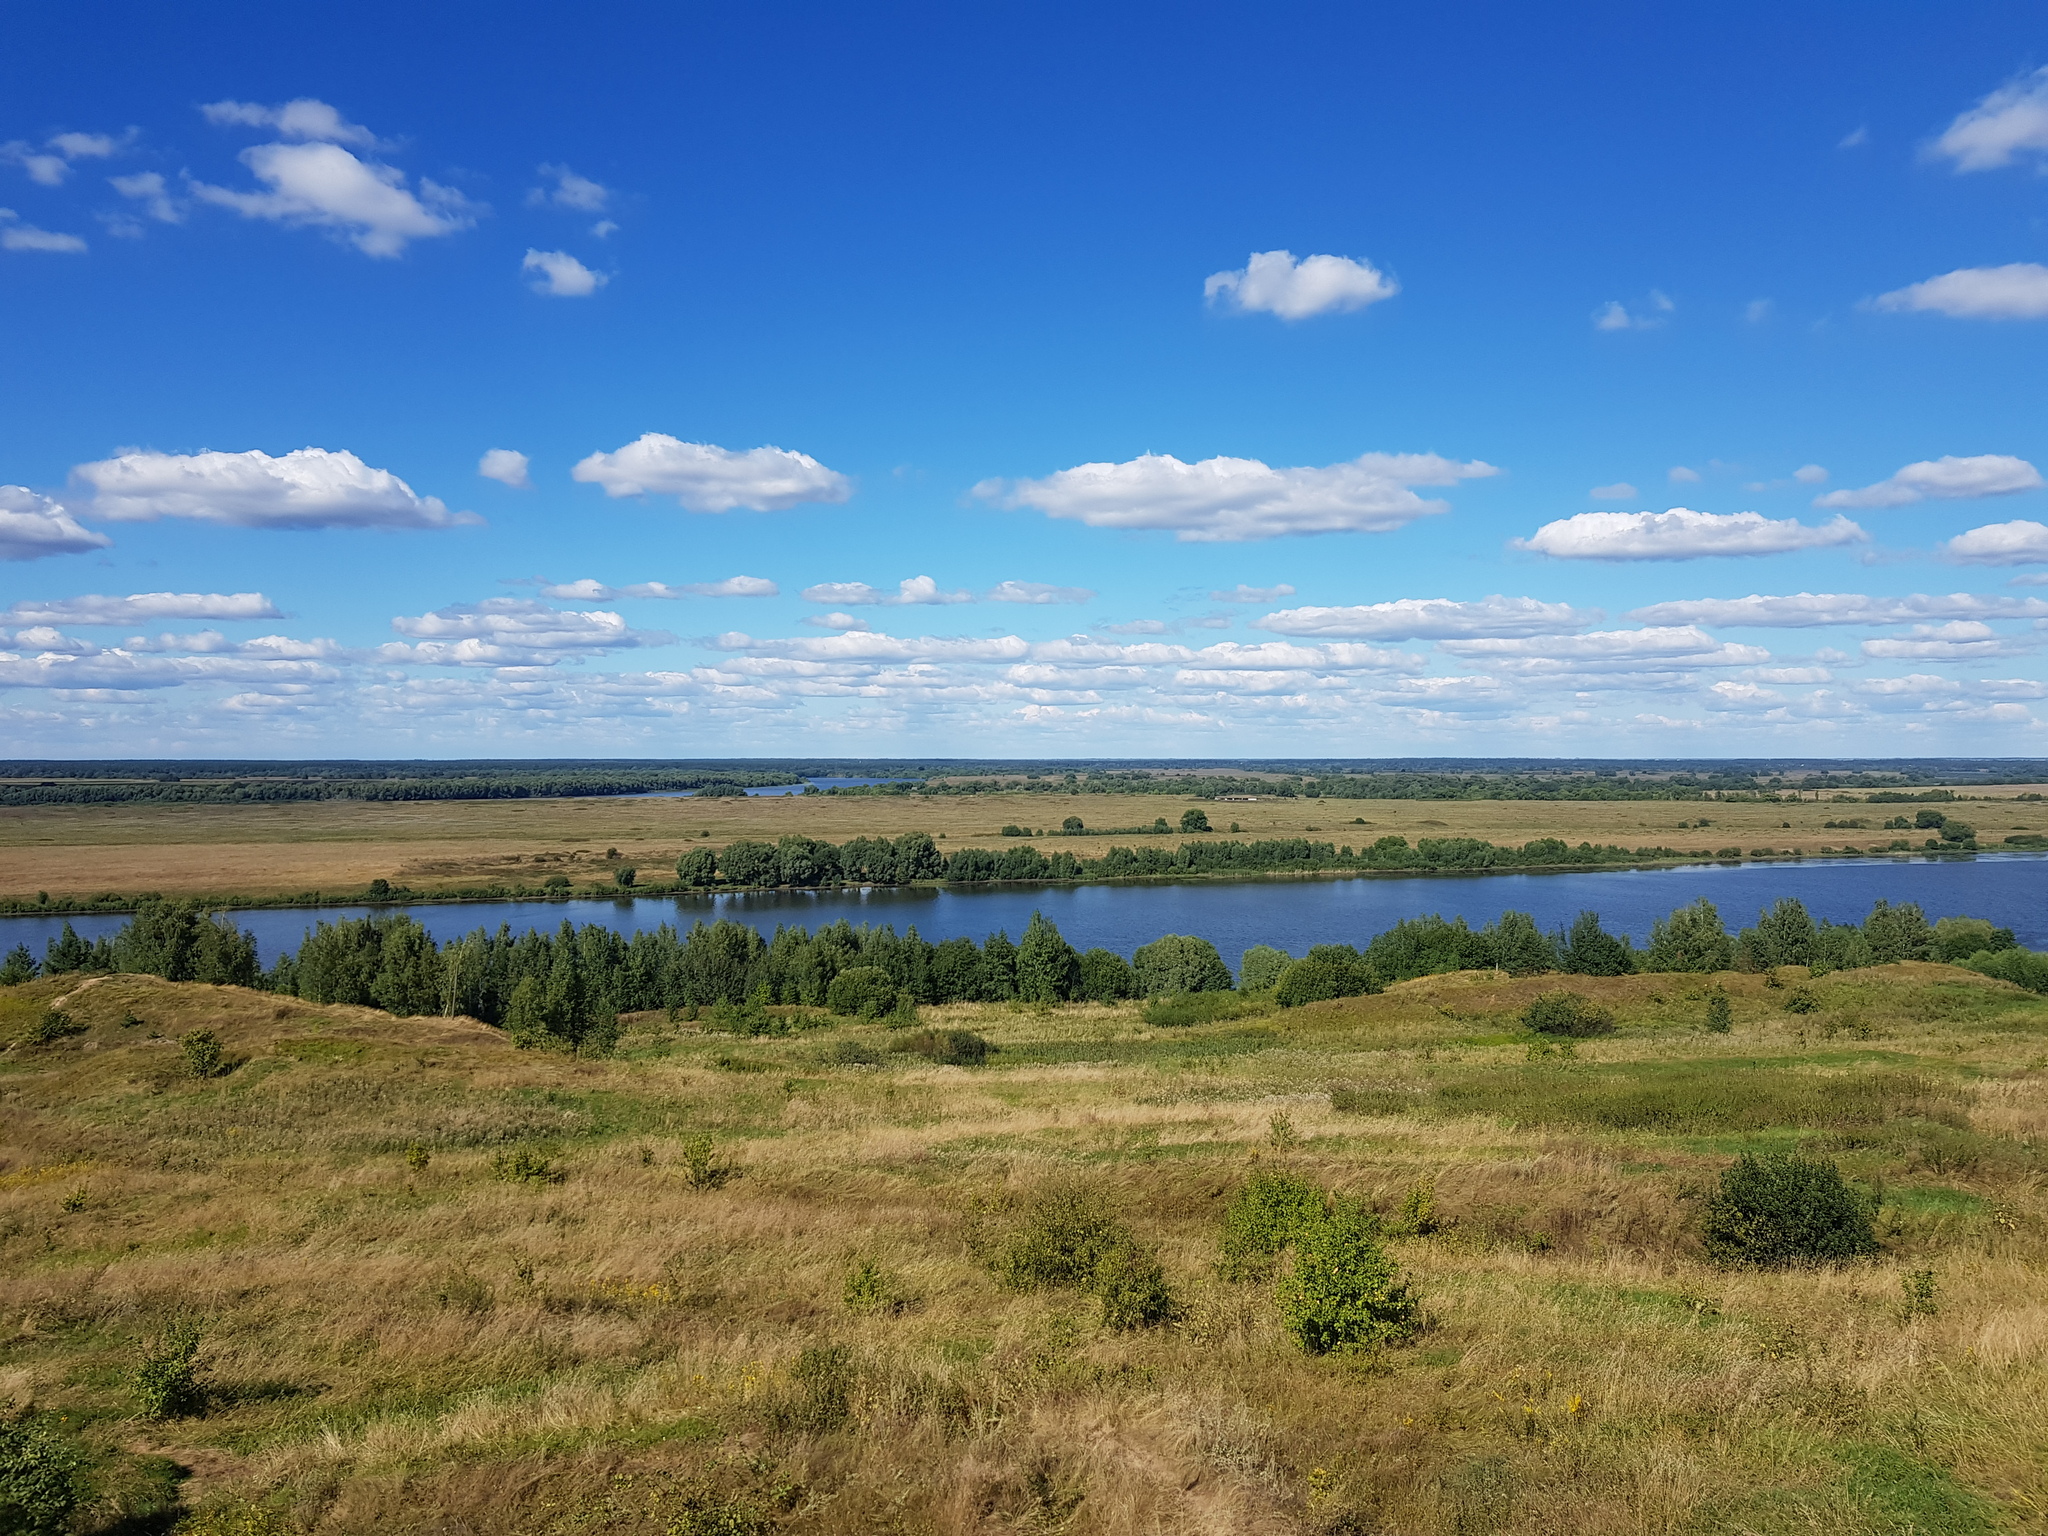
[{"x": 2010, "y": 889}]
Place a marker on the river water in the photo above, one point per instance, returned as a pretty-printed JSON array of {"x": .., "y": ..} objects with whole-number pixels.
[{"x": 1292, "y": 914}]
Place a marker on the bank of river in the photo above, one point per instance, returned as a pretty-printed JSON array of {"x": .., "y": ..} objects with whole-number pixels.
[{"x": 2010, "y": 889}]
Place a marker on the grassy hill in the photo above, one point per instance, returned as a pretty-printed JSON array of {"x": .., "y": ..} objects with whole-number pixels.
[{"x": 715, "y": 1285}]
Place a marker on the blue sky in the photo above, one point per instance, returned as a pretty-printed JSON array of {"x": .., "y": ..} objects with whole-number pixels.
[{"x": 1170, "y": 380}]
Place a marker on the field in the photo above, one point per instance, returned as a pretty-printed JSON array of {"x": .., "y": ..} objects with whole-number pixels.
[
  {"x": 256, "y": 850},
  {"x": 745, "y": 1284}
]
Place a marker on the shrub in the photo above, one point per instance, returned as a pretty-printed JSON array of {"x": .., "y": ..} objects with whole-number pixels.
[
  {"x": 868, "y": 1289},
  {"x": 1265, "y": 1217},
  {"x": 1131, "y": 1285},
  {"x": 42, "y": 1478},
  {"x": 523, "y": 1165},
  {"x": 1072, "y": 825},
  {"x": 851, "y": 1053},
  {"x": 1344, "y": 1293},
  {"x": 1782, "y": 1208},
  {"x": 1201, "y": 1008},
  {"x": 167, "y": 1384},
  {"x": 824, "y": 1377},
  {"x": 417, "y": 1157},
  {"x": 1418, "y": 1215},
  {"x": 1260, "y": 967},
  {"x": 946, "y": 1047},
  {"x": 863, "y": 991},
  {"x": 699, "y": 867},
  {"x": 1193, "y": 820},
  {"x": 1589, "y": 950},
  {"x": 1720, "y": 1013},
  {"x": 2022, "y": 967},
  {"x": 555, "y": 883},
  {"x": 625, "y": 877},
  {"x": 203, "y": 1054},
  {"x": 19, "y": 966},
  {"x": 1567, "y": 1013},
  {"x": 1326, "y": 971},
  {"x": 1691, "y": 939},
  {"x": 53, "y": 1024},
  {"x": 1802, "y": 1000},
  {"x": 703, "y": 1168},
  {"x": 1064, "y": 1236}
]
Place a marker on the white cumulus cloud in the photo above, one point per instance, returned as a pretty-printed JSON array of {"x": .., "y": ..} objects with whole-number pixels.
[
  {"x": 2016, "y": 291},
  {"x": 1948, "y": 478},
  {"x": 513, "y": 631},
  {"x": 306, "y": 488},
  {"x": 560, "y": 274},
  {"x": 2021, "y": 542},
  {"x": 506, "y": 465},
  {"x": 50, "y": 163},
  {"x": 1960, "y": 640},
  {"x": 1275, "y": 283},
  {"x": 573, "y": 193},
  {"x": 315, "y": 182},
  {"x": 1808, "y": 610},
  {"x": 1224, "y": 500},
  {"x": 1036, "y": 592},
  {"x": 148, "y": 189},
  {"x": 33, "y": 526},
  {"x": 1617, "y": 316},
  {"x": 1608, "y": 650},
  {"x": 1434, "y": 618},
  {"x": 2010, "y": 122},
  {"x": 591, "y": 590},
  {"x": 143, "y": 608},
  {"x": 707, "y": 478},
  {"x": 912, "y": 590},
  {"x": 17, "y": 236},
  {"x": 1681, "y": 534}
]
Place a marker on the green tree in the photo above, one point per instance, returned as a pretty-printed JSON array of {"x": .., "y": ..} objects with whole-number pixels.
[
  {"x": 1589, "y": 950},
  {"x": 1260, "y": 967},
  {"x": 1782, "y": 936},
  {"x": 863, "y": 991},
  {"x": 1048, "y": 969},
  {"x": 1898, "y": 933},
  {"x": 1194, "y": 819},
  {"x": 1176, "y": 963},
  {"x": 746, "y": 862},
  {"x": 625, "y": 876},
  {"x": 697, "y": 867},
  {"x": 1106, "y": 977},
  {"x": 19, "y": 966},
  {"x": 1072, "y": 825},
  {"x": 1326, "y": 971},
  {"x": 1690, "y": 939},
  {"x": 1516, "y": 945}
]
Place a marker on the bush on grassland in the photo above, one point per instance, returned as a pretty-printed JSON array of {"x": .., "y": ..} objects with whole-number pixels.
[
  {"x": 1264, "y": 1218},
  {"x": 42, "y": 1478},
  {"x": 1343, "y": 1293},
  {"x": 1781, "y": 1208},
  {"x": 1327, "y": 971},
  {"x": 945, "y": 1047},
  {"x": 864, "y": 991},
  {"x": 1176, "y": 963},
  {"x": 1568, "y": 1014}
]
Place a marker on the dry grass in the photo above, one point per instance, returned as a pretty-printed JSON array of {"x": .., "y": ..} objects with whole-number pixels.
[
  {"x": 339, "y": 845},
  {"x": 440, "y": 1350}
]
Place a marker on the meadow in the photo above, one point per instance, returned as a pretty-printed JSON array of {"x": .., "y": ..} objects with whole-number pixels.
[
  {"x": 714, "y": 1283},
  {"x": 337, "y": 846}
]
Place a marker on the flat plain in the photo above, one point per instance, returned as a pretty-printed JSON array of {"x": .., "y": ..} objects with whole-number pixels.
[
  {"x": 257, "y": 850},
  {"x": 721, "y": 1286}
]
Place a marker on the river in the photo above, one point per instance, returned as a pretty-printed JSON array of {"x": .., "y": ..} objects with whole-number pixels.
[{"x": 1291, "y": 913}]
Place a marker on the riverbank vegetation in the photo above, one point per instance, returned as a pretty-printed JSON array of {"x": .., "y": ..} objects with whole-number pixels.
[{"x": 1739, "y": 1251}]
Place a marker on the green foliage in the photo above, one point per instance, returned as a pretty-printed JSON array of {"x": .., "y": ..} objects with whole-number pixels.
[
  {"x": 703, "y": 1167},
  {"x": 1064, "y": 1235},
  {"x": 1343, "y": 1293},
  {"x": 1072, "y": 825},
  {"x": 1958, "y": 938},
  {"x": 697, "y": 867},
  {"x": 167, "y": 1378},
  {"x": 1917, "y": 1292},
  {"x": 1326, "y": 971},
  {"x": 1131, "y": 1285},
  {"x": 19, "y": 966},
  {"x": 1802, "y": 1000},
  {"x": 417, "y": 1157},
  {"x": 1194, "y": 820},
  {"x": 1690, "y": 939},
  {"x": 1048, "y": 969},
  {"x": 1418, "y": 1214},
  {"x": 1897, "y": 933},
  {"x": 1568, "y": 1014},
  {"x": 1720, "y": 1013},
  {"x": 2022, "y": 967},
  {"x": 1177, "y": 963},
  {"x": 824, "y": 1377},
  {"x": 1106, "y": 977},
  {"x": 868, "y": 1289},
  {"x": 1589, "y": 950},
  {"x": 202, "y": 1053},
  {"x": 524, "y": 1165},
  {"x": 624, "y": 877},
  {"x": 1782, "y": 1208},
  {"x": 864, "y": 991},
  {"x": 1201, "y": 1008},
  {"x": 1264, "y": 1218},
  {"x": 51, "y": 1025},
  {"x": 42, "y": 1478},
  {"x": 1260, "y": 967},
  {"x": 945, "y": 1047},
  {"x": 1782, "y": 936}
]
